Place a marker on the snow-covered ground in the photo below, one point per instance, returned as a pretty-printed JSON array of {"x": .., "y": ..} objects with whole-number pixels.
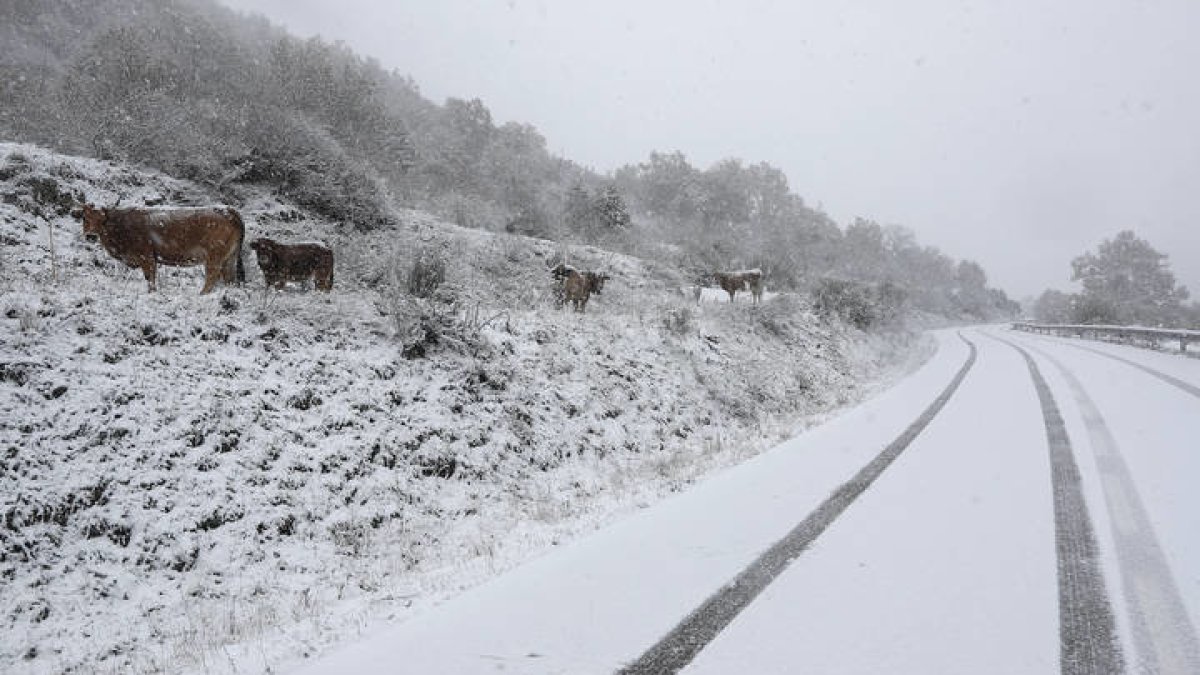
[
  {"x": 717, "y": 295},
  {"x": 232, "y": 482},
  {"x": 946, "y": 564},
  {"x": 592, "y": 606}
]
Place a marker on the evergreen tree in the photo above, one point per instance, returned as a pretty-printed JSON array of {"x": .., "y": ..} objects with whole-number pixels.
[{"x": 610, "y": 210}]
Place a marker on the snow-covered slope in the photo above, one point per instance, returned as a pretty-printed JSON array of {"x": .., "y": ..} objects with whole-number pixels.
[{"x": 228, "y": 481}]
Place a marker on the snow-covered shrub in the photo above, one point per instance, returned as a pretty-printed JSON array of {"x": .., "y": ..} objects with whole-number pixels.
[
  {"x": 511, "y": 249},
  {"x": 306, "y": 164},
  {"x": 351, "y": 537},
  {"x": 45, "y": 191},
  {"x": 426, "y": 275},
  {"x": 891, "y": 299},
  {"x": 15, "y": 164},
  {"x": 421, "y": 325},
  {"x": 530, "y": 223},
  {"x": 417, "y": 332},
  {"x": 679, "y": 321},
  {"x": 851, "y": 301},
  {"x": 38, "y": 193},
  {"x": 465, "y": 210},
  {"x": 780, "y": 317}
]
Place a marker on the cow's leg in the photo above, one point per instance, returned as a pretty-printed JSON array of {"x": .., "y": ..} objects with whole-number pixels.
[
  {"x": 229, "y": 269},
  {"x": 212, "y": 272},
  {"x": 150, "y": 271}
]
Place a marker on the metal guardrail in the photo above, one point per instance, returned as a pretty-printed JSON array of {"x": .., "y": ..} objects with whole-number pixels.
[{"x": 1153, "y": 337}]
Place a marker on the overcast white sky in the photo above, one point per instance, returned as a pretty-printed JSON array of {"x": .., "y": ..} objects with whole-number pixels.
[{"x": 1018, "y": 133}]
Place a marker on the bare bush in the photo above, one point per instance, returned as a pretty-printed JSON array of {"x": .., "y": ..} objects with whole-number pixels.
[
  {"x": 779, "y": 317},
  {"x": 426, "y": 275},
  {"x": 422, "y": 324}
]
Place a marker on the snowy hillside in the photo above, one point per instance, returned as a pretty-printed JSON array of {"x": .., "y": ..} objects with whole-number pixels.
[{"x": 242, "y": 479}]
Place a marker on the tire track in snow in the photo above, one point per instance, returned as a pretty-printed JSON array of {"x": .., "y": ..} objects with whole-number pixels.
[
  {"x": 1163, "y": 634},
  {"x": 677, "y": 649},
  {"x": 1086, "y": 629},
  {"x": 1173, "y": 381}
]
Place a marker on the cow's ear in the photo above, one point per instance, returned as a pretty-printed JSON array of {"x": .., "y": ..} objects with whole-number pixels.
[{"x": 77, "y": 212}]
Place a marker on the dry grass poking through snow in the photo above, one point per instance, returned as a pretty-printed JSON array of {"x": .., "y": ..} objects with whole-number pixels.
[{"x": 228, "y": 482}]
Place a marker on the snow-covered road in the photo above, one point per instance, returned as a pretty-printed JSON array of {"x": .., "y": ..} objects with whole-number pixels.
[{"x": 968, "y": 553}]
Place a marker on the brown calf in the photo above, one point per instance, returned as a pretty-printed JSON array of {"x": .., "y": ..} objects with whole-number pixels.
[
  {"x": 146, "y": 238},
  {"x": 281, "y": 263}
]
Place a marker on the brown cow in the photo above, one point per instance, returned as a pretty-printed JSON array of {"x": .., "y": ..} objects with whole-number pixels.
[
  {"x": 575, "y": 286},
  {"x": 281, "y": 263},
  {"x": 146, "y": 238},
  {"x": 732, "y": 282}
]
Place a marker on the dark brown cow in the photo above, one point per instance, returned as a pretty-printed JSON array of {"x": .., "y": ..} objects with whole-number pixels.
[
  {"x": 575, "y": 286},
  {"x": 281, "y": 263},
  {"x": 146, "y": 238},
  {"x": 732, "y": 282}
]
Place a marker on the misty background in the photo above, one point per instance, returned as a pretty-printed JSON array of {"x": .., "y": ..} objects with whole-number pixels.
[
  {"x": 476, "y": 170},
  {"x": 1018, "y": 134}
]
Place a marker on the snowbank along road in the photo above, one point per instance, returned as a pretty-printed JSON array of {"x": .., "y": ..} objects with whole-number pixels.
[{"x": 1018, "y": 505}]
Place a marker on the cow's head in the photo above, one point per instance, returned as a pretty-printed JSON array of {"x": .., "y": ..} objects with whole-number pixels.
[
  {"x": 561, "y": 271},
  {"x": 598, "y": 279},
  {"x": 93, "y": 221},
  {"x": 264, "y": 250}
]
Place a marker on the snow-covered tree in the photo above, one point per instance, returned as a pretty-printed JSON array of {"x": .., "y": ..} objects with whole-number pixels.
[
  {"x": 611, "y": 212},
  {"x": 1053, "y": 307},
  {"x": 1127, "y": 281}
]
